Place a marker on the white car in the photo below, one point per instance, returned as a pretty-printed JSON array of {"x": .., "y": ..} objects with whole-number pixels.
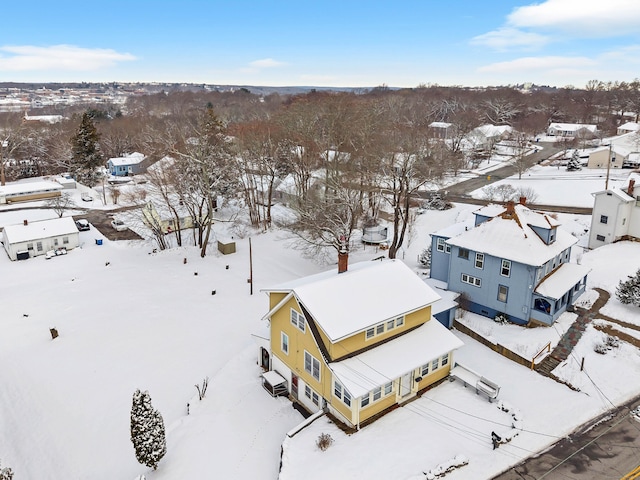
[
  {"x": 119, "y": 225},
  {"x": 86, "y": 197}
]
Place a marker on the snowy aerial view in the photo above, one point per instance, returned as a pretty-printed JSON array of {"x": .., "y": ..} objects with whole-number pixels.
[{"x": 129, "y": 316}]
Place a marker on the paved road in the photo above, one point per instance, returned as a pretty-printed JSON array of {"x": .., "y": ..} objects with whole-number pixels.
[{"x": 606, "y": 448}]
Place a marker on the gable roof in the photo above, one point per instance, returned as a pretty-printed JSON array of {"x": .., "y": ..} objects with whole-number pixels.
[
  {"x": 514, "y": 239},
  {"x": 131, "y": 159},
  {"x": 572, "y": 127},
  {"x": 368, "y": 293},
  {"x": 38, "y": 230}
]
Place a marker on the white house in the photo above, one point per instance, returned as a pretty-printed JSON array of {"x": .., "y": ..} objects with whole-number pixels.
[
  {"x": 27, "y": 191},
  {"x": 486, "y": 136},
  {"x": 628, "y": 127},
  {"x": 30, "y": 239},
  {"x": 616, "y": 214},
  {"x": 571, "y": 130}
]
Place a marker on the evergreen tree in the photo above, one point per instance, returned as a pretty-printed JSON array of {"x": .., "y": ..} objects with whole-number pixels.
[
  {"x": 574, "y": 162},
  {"x": 85, "y": 152},
  {"x": 6, "y": 473},
  {"x": 628, "y": 292},
  {"x": 147, "y": 431},
  {"x": 425, "y": 257}
]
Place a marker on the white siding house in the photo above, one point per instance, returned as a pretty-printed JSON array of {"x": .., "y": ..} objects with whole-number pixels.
[
  {"x": 616, "y": 214},
  {"x": 36, "y": 238},
  {"x": 571, "y": 129}
]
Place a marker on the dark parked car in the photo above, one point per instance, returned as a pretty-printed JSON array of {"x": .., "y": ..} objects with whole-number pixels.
[{"x": 83, "y": 225}]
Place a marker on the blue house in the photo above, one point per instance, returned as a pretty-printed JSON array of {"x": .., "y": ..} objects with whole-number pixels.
[
  {"x": 127, "y": 165},
  {"x": 510, "y": 260}
]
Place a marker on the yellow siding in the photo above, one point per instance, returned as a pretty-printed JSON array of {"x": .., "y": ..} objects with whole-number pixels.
[
  {"x": 434, "y": 375},
  {"x": 358, "y": 341},
  {"x": 298, "y": 342},
  {"x": 275, "y": 299},
  {"x": 378, "y": 406}
]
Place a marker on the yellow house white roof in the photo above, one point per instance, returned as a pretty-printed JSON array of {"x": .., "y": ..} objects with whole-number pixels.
[
  {"x": 366, "y": 294},
  {"x": 395, "y": 358}
]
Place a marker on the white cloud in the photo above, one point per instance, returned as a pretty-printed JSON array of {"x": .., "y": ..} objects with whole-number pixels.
[
  {"x": 266, "y": 63},
  {"x": 507, "y": 38},
  {"x": 58, "y": 57},
  {"x": 588, "y": 18},
  {"x": 549, "y": 63}
]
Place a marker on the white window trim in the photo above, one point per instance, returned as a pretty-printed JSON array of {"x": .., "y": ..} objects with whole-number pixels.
[
  {"x": 284, "y": 336},
  {"x": 471, "y": 280},
  {"x": 312, "y": 360},
  {"x": 297, "y": 319},
  {"x": 479, "y": 260},
  {"x": 502, "y": 267}
]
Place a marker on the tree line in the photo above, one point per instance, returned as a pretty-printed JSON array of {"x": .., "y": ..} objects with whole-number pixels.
[{"x": 349, "y": 157}]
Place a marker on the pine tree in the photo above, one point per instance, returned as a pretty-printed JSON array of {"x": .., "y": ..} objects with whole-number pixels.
[
  {"x": 425, "y": 257},
  {"x": 147, "y": 431},
  {"x": 628, "y": 292},
  {"x": 85, "y": 152},
  {"x": 6, "y": 473},
  {"x": 574, "y": 162}
]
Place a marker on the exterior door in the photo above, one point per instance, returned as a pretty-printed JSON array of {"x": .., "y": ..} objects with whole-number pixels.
[
  {"x": 264, "y": 358},
  {"x": 294, "y": 386},
  {"x": 405, "y": 385}
]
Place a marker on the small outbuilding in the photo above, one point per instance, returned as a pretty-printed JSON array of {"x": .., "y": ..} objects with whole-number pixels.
[{"x": 30, "y": 239}]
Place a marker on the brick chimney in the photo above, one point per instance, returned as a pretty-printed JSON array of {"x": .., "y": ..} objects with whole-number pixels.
[
  {"x": 523, "y": 200},
  {"x": 632, "y": 183},
  {"x": 343, "y": 257},
  {"x": 510, "y": 209}
]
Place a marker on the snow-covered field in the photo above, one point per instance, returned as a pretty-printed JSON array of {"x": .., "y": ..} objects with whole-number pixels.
[{"x": 129, "y": 318}]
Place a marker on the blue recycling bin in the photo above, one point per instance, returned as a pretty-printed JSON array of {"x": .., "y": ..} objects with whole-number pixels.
[{"x": 98, "y": 241}]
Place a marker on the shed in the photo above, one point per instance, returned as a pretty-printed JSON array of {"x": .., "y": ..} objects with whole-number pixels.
[{"x": 226, "y": 246}]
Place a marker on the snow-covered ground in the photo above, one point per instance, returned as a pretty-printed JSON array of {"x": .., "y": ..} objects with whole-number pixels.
[{"x": 128, "y": 318}]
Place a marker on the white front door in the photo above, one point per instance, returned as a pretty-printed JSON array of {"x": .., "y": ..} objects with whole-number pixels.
[{"x": 405, "y": 385}]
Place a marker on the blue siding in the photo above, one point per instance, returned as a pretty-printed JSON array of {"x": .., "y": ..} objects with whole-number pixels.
[
  {"x": 548, "y": 235},
  {"x": 439, "y": 261}
]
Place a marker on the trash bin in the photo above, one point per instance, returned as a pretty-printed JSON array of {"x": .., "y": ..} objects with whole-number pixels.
[{"x": 98, "y": 241}]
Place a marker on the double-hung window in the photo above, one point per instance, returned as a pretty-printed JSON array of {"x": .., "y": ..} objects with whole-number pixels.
[
  {"x": 340, "y": 392},
  {"x": 604, "y": 219},
  {"x": 463, "y": 253},
  {"x": 505, "y": 269},
  {"x": 284, "y": 342},
  {"x": 479, "y": 260},
  {"x": 297, "y": 319},
  {"x": 312, "y": 365}
]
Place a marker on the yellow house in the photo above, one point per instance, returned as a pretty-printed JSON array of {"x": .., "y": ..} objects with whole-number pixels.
[
  {"x": 159, "y": 217},
  {"x": 359, "y": 341}
]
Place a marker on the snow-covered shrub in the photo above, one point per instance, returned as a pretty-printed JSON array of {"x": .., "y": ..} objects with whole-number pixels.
[
  {"x": 147, "y": 431},
  {"x": 324, "y": 441},
  {"x": 443, "y": 468},
  {"x": 628, "y": 292},
  {"x": 424, "y": 259},
  {"x": 501, "y": 318},
  {"x": 436, "y": 202},
  {"x": 607, "y": 345},
  {"x": 574, "y": 162},
  {"x": 6, "y": 473}
]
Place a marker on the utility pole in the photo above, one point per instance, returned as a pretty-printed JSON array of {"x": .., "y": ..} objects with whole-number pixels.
[
  {"x": 250, "y": 269},
  {"x": 4, "y": 144},
  {"x": 606, "y": 182}
]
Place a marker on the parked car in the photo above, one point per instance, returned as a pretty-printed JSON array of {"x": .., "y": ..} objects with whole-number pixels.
[
  {"x": 83, "y": 225},
  {"x": 86, "y": 197},
  {"x": 119, "y": 225}
]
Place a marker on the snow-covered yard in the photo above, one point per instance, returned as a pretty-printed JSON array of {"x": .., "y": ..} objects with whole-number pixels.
[{"x": 129, "y": 318}]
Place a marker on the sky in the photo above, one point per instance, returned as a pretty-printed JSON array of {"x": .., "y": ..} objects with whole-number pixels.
[
  {"x": 129, "y": 318},
  {"x": 327, "y": 43}
]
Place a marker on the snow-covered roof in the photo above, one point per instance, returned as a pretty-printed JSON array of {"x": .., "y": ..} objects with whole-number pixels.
[
  {"x": 42, "y": 229},
  {"x": 440, "y": 124},
  {"x": 391, "y": 360},
  {"x": 43, "y": 118},
  {"x": 560, "y": 281},
  {"x": 491, "y": 210},
  {"x": 618, "y": 192},
  {"x": 131, "y": 159},
  {"x": 29, "y": 187},
  {"x": 513, "y": 238},
  {"x": 630, "y": 127},
  {"x": 455, "y": 229},
  {"x": 572, "y": 127},
  {"x": 290, "y": 187},
  {"x": 366, "y": 294},
  {"x": 447, "y": 297},
  {"x": 490, "y": 131}
]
